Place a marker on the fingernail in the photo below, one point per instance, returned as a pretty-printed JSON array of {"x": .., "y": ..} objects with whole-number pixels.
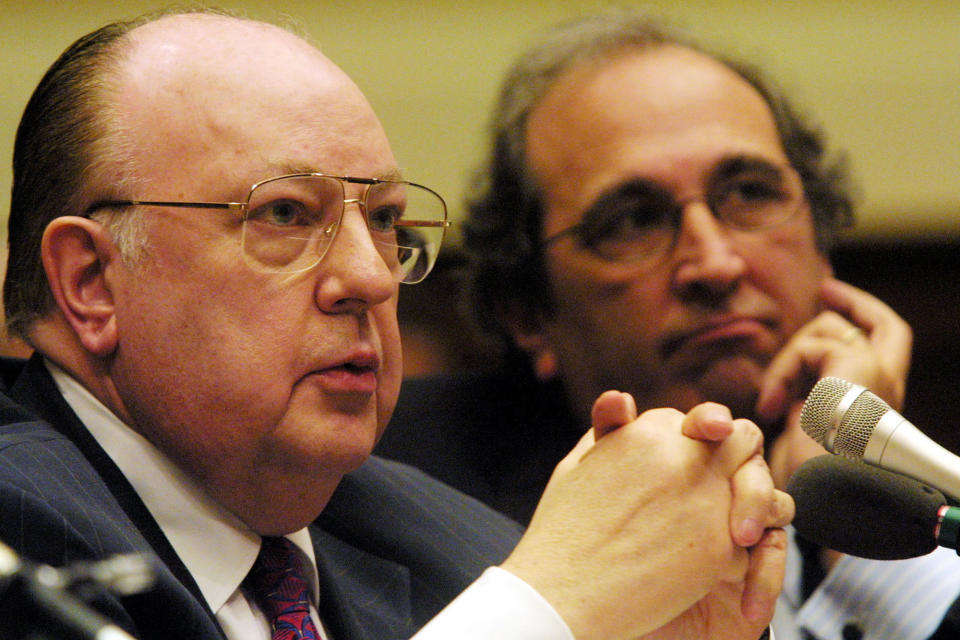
[{"x": 750, "y": 531}]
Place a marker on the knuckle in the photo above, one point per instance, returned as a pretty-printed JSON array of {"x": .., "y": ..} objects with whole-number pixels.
[
  {"x": 783, "y": 508},
  {"x": 749, "y": 431}
]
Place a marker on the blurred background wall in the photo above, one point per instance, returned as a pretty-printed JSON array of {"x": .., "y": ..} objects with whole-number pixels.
[{"x": 882, "y": 77}]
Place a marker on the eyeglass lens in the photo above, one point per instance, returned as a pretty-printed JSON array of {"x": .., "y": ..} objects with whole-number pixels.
[
  {"x": 291, "y": 222},
  {"x": 639, "y": 219}
]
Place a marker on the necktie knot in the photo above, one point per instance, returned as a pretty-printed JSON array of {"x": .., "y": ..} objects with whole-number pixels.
[{"x": 279, "y": 588}]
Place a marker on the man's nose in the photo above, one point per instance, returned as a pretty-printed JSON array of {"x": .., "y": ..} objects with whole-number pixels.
[
  {"x": 706, "y": 253},
  {"x": 355, "y": 275}
]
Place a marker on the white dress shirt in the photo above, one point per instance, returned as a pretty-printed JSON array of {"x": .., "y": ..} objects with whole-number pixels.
[{"x": 883, "y": 599}]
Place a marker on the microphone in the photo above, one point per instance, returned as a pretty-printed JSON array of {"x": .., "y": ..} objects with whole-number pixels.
[
  {"x": 849, "y": 420},
  {"x": 44, "y": 590},
  {"x": 868, "y": 512}
]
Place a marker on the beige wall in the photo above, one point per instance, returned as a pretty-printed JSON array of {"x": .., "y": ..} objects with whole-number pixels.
[{"x": 883, "y": 77}]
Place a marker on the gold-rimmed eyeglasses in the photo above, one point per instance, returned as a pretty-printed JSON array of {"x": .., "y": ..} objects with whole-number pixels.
[
  {"x": 638, "y": 220},
  {"x": 290, "y": 221}
]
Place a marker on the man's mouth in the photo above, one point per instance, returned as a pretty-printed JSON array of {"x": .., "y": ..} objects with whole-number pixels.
[
  {"x": 723, "y": 331},
  {"x": 357, "y": 375}
]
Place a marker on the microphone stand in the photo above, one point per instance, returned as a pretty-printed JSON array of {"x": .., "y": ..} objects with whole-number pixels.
[{"x": 39, "y": 602}]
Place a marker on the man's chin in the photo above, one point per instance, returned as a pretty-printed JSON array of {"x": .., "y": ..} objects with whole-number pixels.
[{"x": 734, "y": 382}]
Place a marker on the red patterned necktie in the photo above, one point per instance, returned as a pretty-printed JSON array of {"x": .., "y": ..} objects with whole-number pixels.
[{"x": 281, "y": 591}]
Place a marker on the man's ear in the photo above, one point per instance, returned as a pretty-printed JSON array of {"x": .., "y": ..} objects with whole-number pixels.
[
  {"x": 526, "y": 326},
  {"x": 76, "y": 253}
]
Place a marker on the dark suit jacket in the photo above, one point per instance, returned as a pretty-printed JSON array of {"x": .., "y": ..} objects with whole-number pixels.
[
  {"x": 393, "y": 546},
  {"x": 496, "y": 436}
]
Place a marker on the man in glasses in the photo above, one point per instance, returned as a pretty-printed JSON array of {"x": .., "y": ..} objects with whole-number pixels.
[
  {"x": 655, "y": 219},
  {"x": 208, "y": 234}
]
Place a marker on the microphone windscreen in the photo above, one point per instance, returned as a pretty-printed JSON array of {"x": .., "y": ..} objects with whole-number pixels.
[
  {"x": 842, "y": 416},
  {"x": 817, "y": 414},
  {"x": 862, "y": 510}
]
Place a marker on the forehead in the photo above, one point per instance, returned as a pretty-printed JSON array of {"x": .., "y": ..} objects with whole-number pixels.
[
  {"x": 206, "y": 99},
  {"x": 667, "y": 113}
]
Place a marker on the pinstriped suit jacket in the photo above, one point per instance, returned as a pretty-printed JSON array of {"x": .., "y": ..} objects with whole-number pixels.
[{"x": 393, "y": 546}]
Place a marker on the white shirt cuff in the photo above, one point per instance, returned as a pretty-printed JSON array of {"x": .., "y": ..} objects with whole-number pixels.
[{"x": 498, "y": 605}]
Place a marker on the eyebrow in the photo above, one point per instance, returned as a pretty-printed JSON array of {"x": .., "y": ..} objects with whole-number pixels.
[
  {"x": 726, "y": 167},
  {"x": 733, "y": 165},
  {"x": 630, "y": 187}
]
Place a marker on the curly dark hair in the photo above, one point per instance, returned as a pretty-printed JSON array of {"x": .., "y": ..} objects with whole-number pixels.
[{"x": 504, "y": 226}]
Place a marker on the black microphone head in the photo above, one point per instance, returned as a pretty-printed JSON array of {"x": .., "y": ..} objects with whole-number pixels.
[
  {"x": 863, "y": 510},
  {"x": 841, "y": 416}
]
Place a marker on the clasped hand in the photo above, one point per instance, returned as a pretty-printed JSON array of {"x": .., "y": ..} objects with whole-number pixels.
[{"x": 664, "y": 525}]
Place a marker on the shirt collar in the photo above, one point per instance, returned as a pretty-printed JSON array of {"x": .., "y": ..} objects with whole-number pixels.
[{"x": 216, "y": 547}]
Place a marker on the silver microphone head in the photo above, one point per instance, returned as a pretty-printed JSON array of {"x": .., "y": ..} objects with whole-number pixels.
[{"x": 841, "y": 416}]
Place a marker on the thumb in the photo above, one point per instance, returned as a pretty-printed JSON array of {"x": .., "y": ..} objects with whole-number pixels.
[{"x": 612, "y": 410}]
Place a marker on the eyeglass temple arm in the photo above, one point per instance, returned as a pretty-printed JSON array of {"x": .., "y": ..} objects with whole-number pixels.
[
  {"x": 422, "y": 223},
  {"x": 107, "y": 204}
]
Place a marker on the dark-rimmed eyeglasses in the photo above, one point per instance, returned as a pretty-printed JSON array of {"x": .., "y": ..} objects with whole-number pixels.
[
  {"x": 290, "y": 221},
  {"x": 638, "y": 221}
]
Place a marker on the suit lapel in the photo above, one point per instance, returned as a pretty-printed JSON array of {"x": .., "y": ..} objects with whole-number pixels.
[
  {"x": 362, "y": 596},
  {"x": 36, "y": 390}
]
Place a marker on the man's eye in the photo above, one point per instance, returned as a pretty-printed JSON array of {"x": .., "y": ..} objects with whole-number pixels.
[
  {"x": 622, "y": 223},
  {"x": 624, "y": 218},
  {"x": 629, "y": 209},
  {"x": 757, "y": 186},
  {"x": 755, "y": 190},
  {"x": 383, "y": 219},
  {"x": 282, "y": 213}
]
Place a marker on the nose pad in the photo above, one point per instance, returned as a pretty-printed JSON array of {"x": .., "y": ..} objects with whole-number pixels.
[{"x": 330, "y": 232}]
